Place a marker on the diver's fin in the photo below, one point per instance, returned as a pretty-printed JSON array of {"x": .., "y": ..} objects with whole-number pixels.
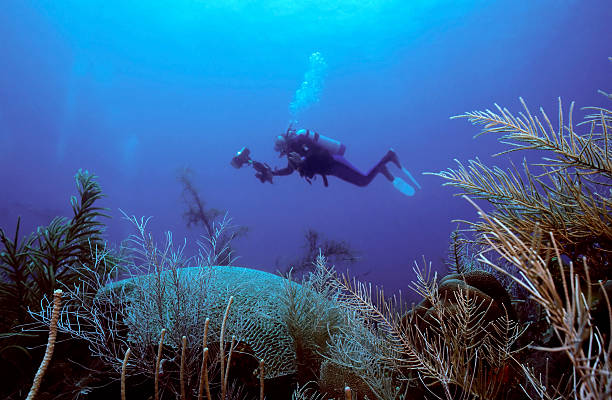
[
  {"x": 404, "y": 170},
  {"x": 395, "y": 160},
  {"x": 403, "y": 187}
]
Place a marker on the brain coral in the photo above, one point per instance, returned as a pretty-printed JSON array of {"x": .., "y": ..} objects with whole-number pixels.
[{"x": 180, "y": 300}]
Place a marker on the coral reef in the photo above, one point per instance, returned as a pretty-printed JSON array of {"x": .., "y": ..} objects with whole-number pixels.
[
  {"x": 183, "y": 302},
  {"x": 555, "y": 228},
  {"x": 338, "y": 252},
  {"x": 482, "y": 282},
  {"x": 569, "y": 197},
  {"x": 219, "y": 233},
  {"x": 191, "y": 295},
  {"x": 569, "y": 314},
  {"x": 184, "y": 326},
  {"x": 33, "y": 266}
]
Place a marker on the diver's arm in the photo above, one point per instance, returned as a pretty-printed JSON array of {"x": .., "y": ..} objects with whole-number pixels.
[
  {"x": 288, "y": 170},
  {"x": 294, "y": 162}
]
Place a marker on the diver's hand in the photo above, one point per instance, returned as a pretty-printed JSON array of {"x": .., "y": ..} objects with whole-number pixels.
[
  {"x": 264, "y": 172},
  {"x": 295, "y": 160}
]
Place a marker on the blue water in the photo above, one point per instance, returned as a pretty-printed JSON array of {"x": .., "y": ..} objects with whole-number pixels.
[{"x": 134, "y": 91}]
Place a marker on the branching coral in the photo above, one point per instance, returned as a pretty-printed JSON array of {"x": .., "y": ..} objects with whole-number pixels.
[
  {"x": 555, "y": 227},
  {"x": 34, "y": 266},
  {"x": 571, "y": 194},
  {"x": 219, "y": 233},
  {"x": 52, "y": 256},
  {"x": 311, "y": 318},
  {"x": 464, "y": 337},
  {"x": 457, "y": 351},
  {"x": 339, "y": 252},
  {"x": 568, "y": 311},
  {"x": 167, "y": 294}
]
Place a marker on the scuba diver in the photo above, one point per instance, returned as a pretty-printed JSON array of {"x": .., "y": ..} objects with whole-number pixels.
[{"x": 311, "y": 154}]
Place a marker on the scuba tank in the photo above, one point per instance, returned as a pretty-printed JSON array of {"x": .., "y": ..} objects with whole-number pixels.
[{"x": 329, "y": 144}]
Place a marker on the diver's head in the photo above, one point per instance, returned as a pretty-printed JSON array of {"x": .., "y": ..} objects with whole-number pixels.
[{"x": 280, "y": 144}]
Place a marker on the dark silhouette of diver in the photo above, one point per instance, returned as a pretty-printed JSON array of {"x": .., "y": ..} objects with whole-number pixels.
[{"x": 311, "y": 154}]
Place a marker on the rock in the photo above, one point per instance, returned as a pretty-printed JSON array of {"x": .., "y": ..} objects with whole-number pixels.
[{"x": 488, "y": 284}]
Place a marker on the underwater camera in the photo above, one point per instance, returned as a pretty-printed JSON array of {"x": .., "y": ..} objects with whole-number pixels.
[
  {"x": 241, "y": 158},
  {"x": 264, "y": 172}
]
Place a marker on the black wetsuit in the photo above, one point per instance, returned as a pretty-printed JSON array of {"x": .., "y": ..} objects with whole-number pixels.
[{"x": 310, "y": 159}]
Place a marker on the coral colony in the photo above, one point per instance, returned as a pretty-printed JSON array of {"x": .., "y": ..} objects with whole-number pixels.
[{"x": 524, "y": 313}]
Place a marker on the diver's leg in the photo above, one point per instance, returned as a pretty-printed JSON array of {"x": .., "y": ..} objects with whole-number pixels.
[
  {"x": 344, "y": 170},
  {"x": 391, "y": 156},
  {"x": 349, "y": 173},
  {"x": 383, "y": 170},
  {"x": 398, "y": 183},
  {"x": 381, "y": 166}
]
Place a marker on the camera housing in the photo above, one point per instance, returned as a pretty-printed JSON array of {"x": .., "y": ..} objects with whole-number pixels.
[{"x": 242, "y": 157}]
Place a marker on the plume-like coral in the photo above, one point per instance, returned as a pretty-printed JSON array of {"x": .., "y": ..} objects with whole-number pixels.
[
  {"x": 569, "y": 196},
  {"x": 182, "y": 301},
  {"x": 457, "y": 351},
  {"x": 568, "y": 309}
]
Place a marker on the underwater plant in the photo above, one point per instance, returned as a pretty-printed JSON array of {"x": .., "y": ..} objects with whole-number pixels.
[
  {"x": 33, "y": 266},
  {"x": 570, "y": 313},
  {"x": 182, "y": 297},
  {"x": 608, "y": 95},
  {"x": 36, "y": 265},
  {"x": 338, "y": 252},
  {"x": 311, "y": 317},
  {"x": 569, "y": 197},
  {"x": 551, "y": 232},
  {"x": 459, "y": 351},
  {"x": 219, "y": 233}
]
